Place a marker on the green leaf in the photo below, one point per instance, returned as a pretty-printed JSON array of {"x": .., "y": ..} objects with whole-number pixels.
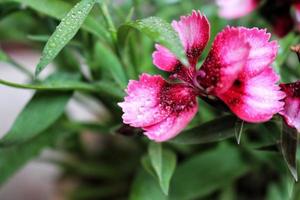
[
  {"x": 64, "y": 32},
  {"x": 14, "y": 157},
  {"x": 145, "y": 188},
  {"x": 284, "y": 50},
  {"x": 58, "y": 9},
  {"x": 207, "y": 172},
  {"x": 158, "y": 30},
  {"x": 69, "y": 85},
  {"x": 289, "y": 142},
  {"x": 111, "y": 63},
  {"x": 195, "y": 178},
  {"x": 164, "y": 163},
  {"x": 212, "y": 131},
  {"x": 3, "y": 56},
  {"x": 40, "y": 113}
]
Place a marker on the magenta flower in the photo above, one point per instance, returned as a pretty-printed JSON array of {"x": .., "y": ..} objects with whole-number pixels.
[
  {"x": 291, "y": 111},
  {"x": 236, "y": 71}
]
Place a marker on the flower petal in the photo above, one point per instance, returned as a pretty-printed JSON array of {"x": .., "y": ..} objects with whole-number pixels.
[
  {"x": 291, "y": 111},
  {"x": 141, "y": 105},
  {"x": 164, "y": 59},
  {"x": 232, "y": 9},
  {"x": 171, "y": 126},
  {"x": 194, "y": 33},
  {"x": 256, "y": 99},
  {"x": 262, "y": 52},
  {"x": 225, "y": 61},
  {"x": 160, "y": 108}
]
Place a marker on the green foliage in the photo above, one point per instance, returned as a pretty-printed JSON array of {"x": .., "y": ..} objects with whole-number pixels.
[
  {"x": 95, "y": 51},
  {"x": 158, "y": 30},
  {"x": 163, "y": 162},
  {"x": 64, "y": 32},
  {"x": 39, "y": 114},
  {"x": 12, "y": 158}
]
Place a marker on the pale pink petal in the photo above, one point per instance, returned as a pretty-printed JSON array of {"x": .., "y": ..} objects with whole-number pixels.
[
  {"x": 194, "y": 33},
  {"x": 164, "y": 59},
  {"x": 262, "y": 52},
  {"x": 225, "y": 61},
  {"x": 256, "y": 99},
  {"x": 171, "y": 126},
  {"x": 141, "y": 105},
  {"x": 291, "y": 111},
  {"x": 232, "y": 9}
]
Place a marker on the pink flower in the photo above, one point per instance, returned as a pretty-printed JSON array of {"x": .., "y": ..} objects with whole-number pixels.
[
  {"x": 160, "y": 108},
  {"x": 291, "y": 111},
  {"x": 236, "y": 71},
  {"x": 232, "y": 9}
]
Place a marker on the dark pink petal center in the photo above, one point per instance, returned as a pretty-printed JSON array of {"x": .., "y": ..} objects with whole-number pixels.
[{"x": 177, "y": 98}]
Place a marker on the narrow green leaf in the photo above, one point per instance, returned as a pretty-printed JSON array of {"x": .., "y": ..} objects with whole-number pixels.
[
  {"x": 289, "y": 143},
  {"x": 212, "y": 131},
  {"x": 70, "y": 85},
  {"x": 58, "y": 9},
  {"x": 163, "y": 162},
  {"x": 158, "y": 30},
  {"x": 239, "y": 126},
  {"x": 145, "y": 188},
  {"x": 14, "y": 157},
  {"x": 111, "y": 63},
  {"x": 40, "y": 113},
  {"x": 207, "y": 172},
  {"x": 64, "y": 32},
  {"x": 155, "y": 155}
]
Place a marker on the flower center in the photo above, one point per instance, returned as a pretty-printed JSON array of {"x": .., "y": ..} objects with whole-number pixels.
[{"x": 177, "y": 97}]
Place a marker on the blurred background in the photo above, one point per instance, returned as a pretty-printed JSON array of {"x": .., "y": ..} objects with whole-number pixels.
[{"x": 23, "y": 33}]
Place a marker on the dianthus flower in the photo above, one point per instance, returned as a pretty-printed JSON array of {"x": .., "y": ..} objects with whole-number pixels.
[{"x": 236, "y": 71}]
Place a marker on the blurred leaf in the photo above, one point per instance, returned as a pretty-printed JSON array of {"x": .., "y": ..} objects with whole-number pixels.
[
  {"x": 284, "y": 50},
  {"x": 158, "y": 30},
  {"x": 164, "y": 163},
  {"x": 145, "y": 188},
  {"x": 3, "y": 56},
  {"x": 14, "y": 157},
  {"x": 40, "y": 113},
  {"x": 70, "y": 85},
  {"x": 195, "y": 178},
  {"x": 58, "y": 9},
  {"x": 212, "y": 131},
  {"x": 207, "y": 172},
  {"x": 239, "y": 126},
  {"x": 111, "y": 63},
  {"x": 289, "y": 142},
  {"x": 64, "y": 32}
]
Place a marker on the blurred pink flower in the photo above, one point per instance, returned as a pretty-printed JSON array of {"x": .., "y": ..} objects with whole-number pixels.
[
  {"x": 291, "y": 111},
  {"x": 276, "y": 12},
  {"x": 236, "y": 71},
  {"x": 232, "y": 9}
]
